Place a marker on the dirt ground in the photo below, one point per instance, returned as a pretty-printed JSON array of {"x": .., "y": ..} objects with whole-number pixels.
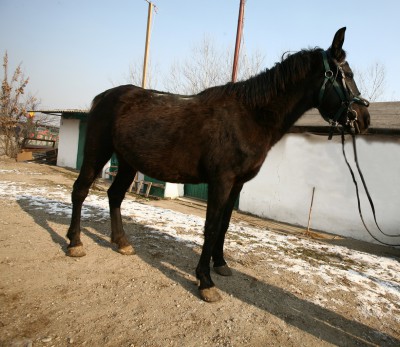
[{"x": 151, "y": 298}]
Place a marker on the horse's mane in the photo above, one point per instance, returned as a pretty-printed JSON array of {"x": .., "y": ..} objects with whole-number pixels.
[{"x": 261, "y": 88}]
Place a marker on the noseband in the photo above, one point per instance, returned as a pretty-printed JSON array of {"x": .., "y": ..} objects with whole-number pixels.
[{"x": 346, "y": 93}]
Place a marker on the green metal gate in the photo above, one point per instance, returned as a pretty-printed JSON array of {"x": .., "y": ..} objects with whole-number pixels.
[
  {"x": 197, "y": 191},
  {"x": 155, "y": 191},
  {"x": 200, "y": 191},
  {"x": 81, "y": 143}
]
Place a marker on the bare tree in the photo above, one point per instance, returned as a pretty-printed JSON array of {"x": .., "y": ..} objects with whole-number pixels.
[
  {"x": 135, "y": 75},
  {"x": 15, "y": 121},
  {"x": 208, "y": 66},
  {"x": 372, "y": 81}
]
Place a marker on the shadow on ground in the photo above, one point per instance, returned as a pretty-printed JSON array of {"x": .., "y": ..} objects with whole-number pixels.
[{"x": 309, "y": 317}]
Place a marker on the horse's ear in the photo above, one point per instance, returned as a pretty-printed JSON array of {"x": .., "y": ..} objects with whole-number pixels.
[{"x": 337, "y": 44}]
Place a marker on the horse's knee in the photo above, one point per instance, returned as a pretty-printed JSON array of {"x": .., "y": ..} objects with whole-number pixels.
[
  {"x": 79, "y": 192},
  {"x": 115, "y": 196}
]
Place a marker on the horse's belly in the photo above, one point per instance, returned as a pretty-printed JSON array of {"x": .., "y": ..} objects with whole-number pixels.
[
  {"x": 171, "y": 173},
  {"x": 163, "y": 162}
]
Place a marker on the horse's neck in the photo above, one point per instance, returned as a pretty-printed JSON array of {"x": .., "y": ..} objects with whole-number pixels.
[
  {"x": 280, "y": 113},
  {"x": 299, "y": 105},
  {"x": 290, "y": 92}
]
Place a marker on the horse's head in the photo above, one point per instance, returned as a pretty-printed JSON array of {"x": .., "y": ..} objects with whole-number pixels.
[{"x": 339, "y": 100}]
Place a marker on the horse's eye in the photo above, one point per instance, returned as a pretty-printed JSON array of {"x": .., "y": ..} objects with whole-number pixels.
[{"x": 349, "y": 75}]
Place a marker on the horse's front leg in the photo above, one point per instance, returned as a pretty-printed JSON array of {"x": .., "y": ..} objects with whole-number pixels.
[
  {"x": 218, "y": 195},
  {"x": 220, "y": 265}
]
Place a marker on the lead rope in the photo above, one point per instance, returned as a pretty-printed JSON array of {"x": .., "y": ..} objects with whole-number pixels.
[{"x": 366, "y": 191}]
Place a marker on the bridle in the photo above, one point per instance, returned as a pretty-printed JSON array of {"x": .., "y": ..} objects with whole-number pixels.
[{"x": 348, "y": 94}]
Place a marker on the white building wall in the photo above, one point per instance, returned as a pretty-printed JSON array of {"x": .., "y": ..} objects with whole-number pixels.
[
  {"x": 173, "y": 190},
  {"x": 283, "y": 188},
  {"x": 68, "y": 142}
]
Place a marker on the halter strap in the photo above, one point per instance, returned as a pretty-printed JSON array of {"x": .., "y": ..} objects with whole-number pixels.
[
  {"x": 366, "y": 191},
  {"x": 346, "y": 95},
  {"x": 330, "y": 77}
]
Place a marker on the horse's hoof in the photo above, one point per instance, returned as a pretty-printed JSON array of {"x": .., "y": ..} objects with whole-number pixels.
[
  {"x": 127, "y": 250},
  {"x": 210, "y": 294},
  {"x": 77, "y": 251},
  {"x": 223, "y": 270}
]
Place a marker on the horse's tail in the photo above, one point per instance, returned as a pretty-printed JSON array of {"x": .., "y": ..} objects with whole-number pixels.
[
  {"x": 99, "y": 143},
  {"x": 102, "y": 115},
  {"x": 96, "y": 101},
  {"x": 105, "y": 101}
]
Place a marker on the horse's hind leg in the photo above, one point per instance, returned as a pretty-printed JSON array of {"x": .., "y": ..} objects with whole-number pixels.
[
  {"x": 116, "y": 194},
  {"x": 91, "y": 167}
]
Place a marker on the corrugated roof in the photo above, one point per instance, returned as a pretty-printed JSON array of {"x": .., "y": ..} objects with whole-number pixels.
[{"x": 58, "y": 112}]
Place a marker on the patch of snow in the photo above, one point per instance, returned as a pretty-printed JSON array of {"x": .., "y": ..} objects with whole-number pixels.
[
  {"x": 373, "y": 280},
  {"x": 18, "y": 172}
]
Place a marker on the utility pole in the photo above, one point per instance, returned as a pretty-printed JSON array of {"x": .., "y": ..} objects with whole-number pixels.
[
  {"x": 238, "y": 40},
  {"x": 146, "y": 51}
]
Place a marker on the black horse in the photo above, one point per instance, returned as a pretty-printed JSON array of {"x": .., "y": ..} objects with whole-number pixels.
[{"x": 220, "y": 136}]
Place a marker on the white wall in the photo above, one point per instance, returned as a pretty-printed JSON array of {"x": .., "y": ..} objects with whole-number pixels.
[
  {"x": 173, "y": 190},
  {"x": 68, "y": 142},
  {"x": 283, "y": 188}
]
